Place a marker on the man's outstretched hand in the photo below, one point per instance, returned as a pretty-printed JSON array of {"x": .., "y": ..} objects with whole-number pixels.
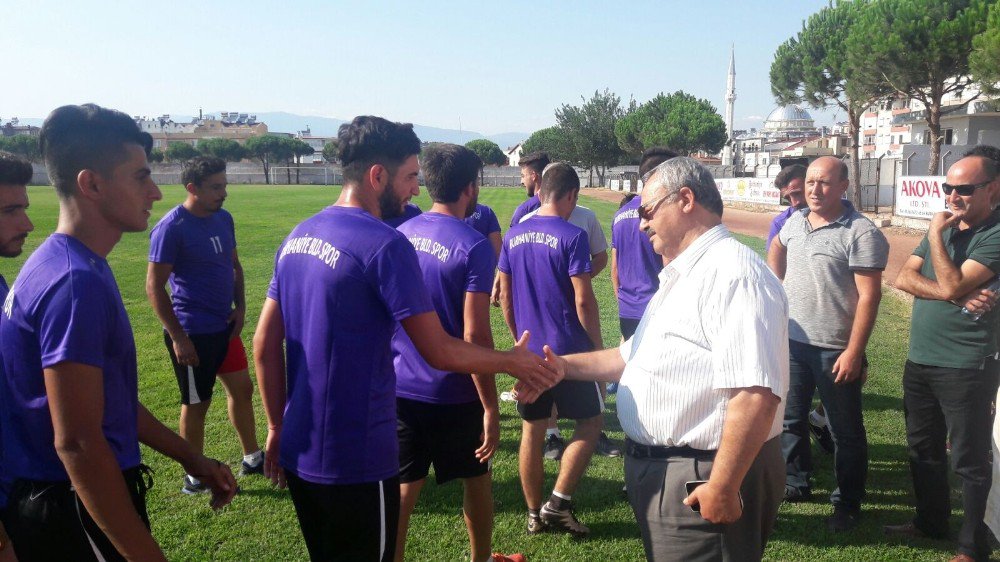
[
  {"x": 534, "y": 374},
  {"x": 556, "y": 364}
]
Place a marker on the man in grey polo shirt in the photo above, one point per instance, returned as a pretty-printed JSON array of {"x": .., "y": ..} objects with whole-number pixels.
[{"x": 831, "y": 259}]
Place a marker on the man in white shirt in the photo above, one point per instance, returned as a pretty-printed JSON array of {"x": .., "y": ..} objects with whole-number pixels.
[{"x": 702, "y": 381}]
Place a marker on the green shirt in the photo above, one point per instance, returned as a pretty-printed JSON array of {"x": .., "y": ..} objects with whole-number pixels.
[{"x": 940, "y": 335}]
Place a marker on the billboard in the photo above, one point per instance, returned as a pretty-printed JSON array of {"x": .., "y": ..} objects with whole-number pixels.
[
  {"x": 919, "y": 197},
  {"x": 749, "y": 190}
]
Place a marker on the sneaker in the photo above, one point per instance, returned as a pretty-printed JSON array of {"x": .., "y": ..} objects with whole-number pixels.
[
  {"x": 796, "y": 495},
  {"x": 821, "y": 431},
  {"x": 843, "y": 519},
  {"x": 607, "y": 447},
  {"x": 507, "y": 396},
  {"x": 192, "y": 486},
  {"x": 612, "y": 388},
  {"x": 554, "y": 446},
  {"x": 497, "y": 557},
  {"x": 564, "y": 521},
  {"x": 536, "y": 525},
  {"x": 247, "y": 469}
]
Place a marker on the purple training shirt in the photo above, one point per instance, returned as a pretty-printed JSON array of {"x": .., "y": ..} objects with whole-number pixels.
[
  {"x": 484, "y": 220},
  {"x": 343, "y": 279},
  {"x": 409, "y": 211},
  {"x": 638, "y": 264},
  {"x": 65, "y": 306},
  {"x": 454, "y": 259},
  {"x": 201, "y": 252},
  {"x": 529, "y": 205},
  {"x": 4, "y": 480},
  {"x": 541, "y": 254}
]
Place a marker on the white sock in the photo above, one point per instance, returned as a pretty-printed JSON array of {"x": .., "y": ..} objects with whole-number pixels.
[
  {"x": 194, "y": 481},
  {"x": 253, "y": 459},
  {"x": 817, "y": 418},
  {"x": 566, "y": 497},
  {"x": 553, "y": 431}
]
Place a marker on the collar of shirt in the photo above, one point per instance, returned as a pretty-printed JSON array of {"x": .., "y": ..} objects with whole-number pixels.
[{"x": 683, "y": 263}]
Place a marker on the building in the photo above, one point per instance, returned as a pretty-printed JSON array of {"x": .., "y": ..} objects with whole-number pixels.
[
  {"x": 514, "y": 154},
  {"x": 316, "y": 142},
  {"x": 14, "y": 127},
  {"x": 230, "y": 125}
]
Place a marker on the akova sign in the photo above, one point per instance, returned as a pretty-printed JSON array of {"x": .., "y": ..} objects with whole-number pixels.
[{"x": 919, "y": 197}]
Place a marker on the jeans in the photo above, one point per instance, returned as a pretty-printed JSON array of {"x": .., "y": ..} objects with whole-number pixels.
[
  {"x": 811, "y": 369},
  {"x": 943, "y": 403}
]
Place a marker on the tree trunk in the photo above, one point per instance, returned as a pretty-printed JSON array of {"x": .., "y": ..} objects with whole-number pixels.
[
  {"x": 288, "y": 172},
  {"x": 298, "y": 162},
  {"x": 934, "y": 126},
  {"x": 267, "y": 171},
  {"x": 854, "y": 128},
  {"x": 590, "y": 180}
]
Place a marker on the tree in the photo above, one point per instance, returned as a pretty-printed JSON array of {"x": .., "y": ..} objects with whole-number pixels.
[
  {"x": 180, "y": 151},
  {"x": 552, "y": 140},
  {"x": 590, "y": 130},
  {"x": 299, "y": 149},
  {"x": 25, "y": 146},
  {"x": 489, "y": 152},
  {"x": 331, "y": 151},
  {"x": 984, "y": 62},
  {"x": 156, "y": 155},
  {"x": 227, "y": 149},
  {"x": 679, "y": 120},
  {"x": 920, "y": 48},
  {"x": 268, "y": 149},
  {"x": 816, "y": 67}
]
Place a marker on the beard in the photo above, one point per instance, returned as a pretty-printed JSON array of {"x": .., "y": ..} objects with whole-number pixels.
[
  {"x": 390, "y": 205},
  {"x": 13, "y": 248},
  {"x": 471, "y": 209}
]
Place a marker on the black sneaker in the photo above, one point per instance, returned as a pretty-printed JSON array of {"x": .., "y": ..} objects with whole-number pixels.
[
  {"x": 247, "y": 468},
  {"x": 821, "y": 432},
  {"x": 554, "y": 446},
  {"x": 536, "y": 525},
  {"x": 563, "y": 520},
  {"x": 607, "y": 447},
  {"x": 796, "y": 495},
  {"x": 192, "y": 486},
  {"x": 843, "y": 519}
]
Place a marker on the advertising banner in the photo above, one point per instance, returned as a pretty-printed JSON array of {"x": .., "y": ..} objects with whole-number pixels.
[
  {"x": 919, "y": 197},
  {"x": 749, "y": 190}
]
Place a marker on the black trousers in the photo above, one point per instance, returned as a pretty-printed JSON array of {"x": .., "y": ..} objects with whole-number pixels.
[{"x": 942, "y": 404}]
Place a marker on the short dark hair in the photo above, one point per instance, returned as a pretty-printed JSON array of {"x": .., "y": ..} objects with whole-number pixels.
[
  {"x": 537, "y": 161},
  {"x": 86, "y": 137},
  {"x": 199, "y": 168},
  {"x": 653, "y": 157},
  {"x": 626, "y": 198},
  {"x": 448, "y": 170},
  {"x": 558, "y": 180},
  {"x": 984, "y": 150},
  {"x": 14, "y": 170},
  {"x": 370, "y": 140},
  {"x": 789, "y": 173}
]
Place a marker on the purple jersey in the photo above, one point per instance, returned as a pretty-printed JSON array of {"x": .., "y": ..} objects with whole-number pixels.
[
  {"x": 484, "y": 220},
  {"x": 201, "y": 252},
  {"x": 454, "y": 259},
  {"x": 343, "y": 279},
  {"x": 529, "y": 205},
  {"x": 638, "y": 264},
  {"x": 65, "y": 306},
  {"x": 409, "y": 211},
  {"x": 4, "y": 480},
  {"x": 541, "y": 254}
]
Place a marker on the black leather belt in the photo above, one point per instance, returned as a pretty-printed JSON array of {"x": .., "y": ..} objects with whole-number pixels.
[{"x": 640, "y": 451}]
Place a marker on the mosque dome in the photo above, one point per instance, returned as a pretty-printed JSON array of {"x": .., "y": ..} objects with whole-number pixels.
[{"x": 789, "y": 118}]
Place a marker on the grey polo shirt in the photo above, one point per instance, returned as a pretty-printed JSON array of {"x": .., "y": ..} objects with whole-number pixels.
[{"x": 819, "y": 277}]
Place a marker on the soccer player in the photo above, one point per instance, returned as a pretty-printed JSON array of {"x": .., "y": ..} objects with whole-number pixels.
[
  {"x": 15, "y": 173},
  {"x": 545, "y": 287},
  {"x": 409, "y": 211},
  {"x": 72, "y": 419},
  {"x": 447, "y": 419},
  {"x": 485, "y": 222},
  {"x": 532, "y": 165},
  {"x": 342, "y": 281},
  {"x": 194, "y": 247}
]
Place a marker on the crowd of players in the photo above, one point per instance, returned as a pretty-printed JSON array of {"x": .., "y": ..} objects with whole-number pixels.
[{"x": 374, "y": 353}]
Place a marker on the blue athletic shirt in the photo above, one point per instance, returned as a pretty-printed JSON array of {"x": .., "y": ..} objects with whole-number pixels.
[
  {"x": 529, "y": 205},
  {"x": 4, "y": 480},
  {"x": 484, "y": 220}
]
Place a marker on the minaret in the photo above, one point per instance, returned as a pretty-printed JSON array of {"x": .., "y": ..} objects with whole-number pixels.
[{"x": 727, "y": 151}]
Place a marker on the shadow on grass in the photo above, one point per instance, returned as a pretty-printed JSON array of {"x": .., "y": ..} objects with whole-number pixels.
[{"x": 809, "y": 529}]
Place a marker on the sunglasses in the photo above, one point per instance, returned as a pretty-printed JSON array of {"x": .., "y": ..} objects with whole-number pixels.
[
  {"x": 965, "y": 190},
  {"x": 646, "y": 210}
]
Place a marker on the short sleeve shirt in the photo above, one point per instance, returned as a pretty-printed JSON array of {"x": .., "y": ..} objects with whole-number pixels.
[
  {"x": 343, "y": 279},
  {"x": 483, "y": 220},
  {"x": 409, "y": 212},
  {"x": 200, "y": 249},
  {"x": 454, "y": 260},
  {"x": 524, "y": 208},
  {"x": 638, "y": 264},
  {"x": 587, "y": 220},
  {"x": 65, "y": 307},
  {"x": 779, "y": 221},
  {"x": 4, "y": 480},
  {"x": 541, "y": 254},
  {"x": 940, "y": 335},
  {"x": 819, "y": 277}
]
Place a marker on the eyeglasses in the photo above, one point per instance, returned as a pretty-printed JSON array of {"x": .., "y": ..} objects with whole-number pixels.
[
  {"x": 965, "y": 190},
  {"x": 646, "y": 210}
]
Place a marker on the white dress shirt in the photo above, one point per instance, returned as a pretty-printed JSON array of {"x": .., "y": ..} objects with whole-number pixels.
[{"x": 717, "y": 324}]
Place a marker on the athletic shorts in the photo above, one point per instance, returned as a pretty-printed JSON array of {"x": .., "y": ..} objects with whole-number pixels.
[
  {"x": 347, "y": 522},
  {"x": 628, "y": 326},
  {"x": 197, "y": 383},
  {"x": 236, "y": 357},
  {"x": 48, "y": 521},
  {"x": 574, "y": 400},
  {"x": 445, "y": 435}
]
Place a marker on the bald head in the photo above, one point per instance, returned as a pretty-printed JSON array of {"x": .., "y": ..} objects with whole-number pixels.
[{"x": 831, "y": 164}]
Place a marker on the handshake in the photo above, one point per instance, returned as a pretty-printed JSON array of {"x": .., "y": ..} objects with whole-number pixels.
[{"x": 534, "y": 374}]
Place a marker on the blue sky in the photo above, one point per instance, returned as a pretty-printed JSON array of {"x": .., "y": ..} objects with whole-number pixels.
[{"x": 488, "y": 67}]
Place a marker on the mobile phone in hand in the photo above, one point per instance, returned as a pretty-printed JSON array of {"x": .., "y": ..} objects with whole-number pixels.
[{"x": 690, "y": 485}]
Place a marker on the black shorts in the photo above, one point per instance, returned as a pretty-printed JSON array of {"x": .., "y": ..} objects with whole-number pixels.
[
  {"x": 198, "y": 383},
  {"x": 446, "y": 435},
  {"x": 347, "y": 522},
  {"x": 47, "y": 520},
  {"x": 575, "y": 400},
  {"x": 628, "y": 326}
]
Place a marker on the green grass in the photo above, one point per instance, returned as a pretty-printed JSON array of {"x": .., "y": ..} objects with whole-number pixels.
[{"x": 261, "y": 524}]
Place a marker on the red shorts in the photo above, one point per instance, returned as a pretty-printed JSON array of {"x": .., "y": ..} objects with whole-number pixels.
[{"x": 236, "y": 357}]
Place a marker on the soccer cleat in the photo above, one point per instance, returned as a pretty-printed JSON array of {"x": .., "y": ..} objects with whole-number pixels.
[
  {"x": 606, "y": 447},
  {"x": 536, "y": 525},
  {"x": 497, "y": 557},
  {"x": 247, "y": 468},
  {"x": 563, "y": 520},
  {"x": 192, "y": 486},
  {"x": 820, "y": 429},
  {"x": 554, "y": 446},
  {"x": 507, "y": 396}
]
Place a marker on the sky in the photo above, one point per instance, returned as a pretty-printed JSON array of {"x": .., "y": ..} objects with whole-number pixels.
[{"x": 488, "y": 67}]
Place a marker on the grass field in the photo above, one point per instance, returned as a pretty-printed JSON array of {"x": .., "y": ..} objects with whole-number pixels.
[{"x": 260, "y": 524}]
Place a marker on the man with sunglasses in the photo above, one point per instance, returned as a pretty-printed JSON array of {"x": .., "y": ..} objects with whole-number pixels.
[
  {"x": 950, "y": 374},
  {"x": 831, "y": 259}
]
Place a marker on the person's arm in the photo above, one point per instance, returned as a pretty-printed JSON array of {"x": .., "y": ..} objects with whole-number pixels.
[
  {"x": 850, "y": 364},
  {"x": 476, "y": 314},
  {"x": 910, "y": 280},
  {"x": 495, "y": 241},
  {"x": 239, "y": 314},
  {"x": 76, "y": 403},
  {"x": 614, "y": 272},
  {"x": 586, "y": 308},
  {"x": 749, "y": 414},
  {"x": 598, "y": 262},
  {"x": 953, "y": 282},
  {"x": 777, "y": 258},
  {"x": 156, "y": 280},
  {"x": 269, "y": 363},
  {"x": 507, "y": 302}
]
